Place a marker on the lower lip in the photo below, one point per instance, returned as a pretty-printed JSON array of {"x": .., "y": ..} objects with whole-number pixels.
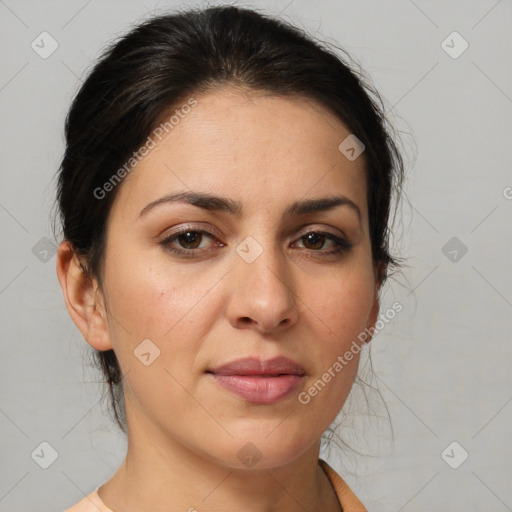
[{"x": 258, "y": 389}]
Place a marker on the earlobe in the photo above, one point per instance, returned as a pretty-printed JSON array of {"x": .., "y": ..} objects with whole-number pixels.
[
  {"x": 373, "y": 317},
  {"x": 374, "y": 313},
  {"x": 84, "y": 300}
]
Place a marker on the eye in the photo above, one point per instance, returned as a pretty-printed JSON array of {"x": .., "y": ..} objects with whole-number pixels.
[
  {"x": 189, "y": 241},
  {"x": 316, "y": 240}
]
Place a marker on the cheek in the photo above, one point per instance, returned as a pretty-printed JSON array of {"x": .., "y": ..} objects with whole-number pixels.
[
  {"x": 163, "y": 314},
  {"x": 150, "y": 299},
  {"x": 342, "y": 306},
  {"x": 340, "y": 311}
]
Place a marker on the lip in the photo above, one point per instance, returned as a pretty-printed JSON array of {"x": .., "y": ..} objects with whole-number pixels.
[{"x": 258, "y": 381}]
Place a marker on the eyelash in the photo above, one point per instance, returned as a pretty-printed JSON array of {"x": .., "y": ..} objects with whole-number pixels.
[{"x": 343, "y": 245}]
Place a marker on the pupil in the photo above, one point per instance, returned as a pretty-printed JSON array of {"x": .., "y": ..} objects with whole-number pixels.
[
  {"x": 191, "y": 237},
  {"x": 313, "y": 238}
]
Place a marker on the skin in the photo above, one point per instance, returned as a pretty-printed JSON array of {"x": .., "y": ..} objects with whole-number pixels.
[{"x": 184, "y": 430}]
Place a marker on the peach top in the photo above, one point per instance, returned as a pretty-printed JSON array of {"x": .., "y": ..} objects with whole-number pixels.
[{"x": 348, "y": 500}]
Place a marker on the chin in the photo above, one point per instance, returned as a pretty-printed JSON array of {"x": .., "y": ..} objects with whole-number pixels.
[{"x": 264, "y": 448}]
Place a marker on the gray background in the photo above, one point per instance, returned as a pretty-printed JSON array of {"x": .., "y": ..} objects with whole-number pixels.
[{"x": 442, "y": 365}]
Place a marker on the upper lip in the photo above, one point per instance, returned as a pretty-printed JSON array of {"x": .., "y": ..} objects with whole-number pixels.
[{"x": 255, "y": 366}]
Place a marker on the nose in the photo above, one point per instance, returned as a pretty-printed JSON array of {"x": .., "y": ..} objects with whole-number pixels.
[{"x": 261, "y": 293}]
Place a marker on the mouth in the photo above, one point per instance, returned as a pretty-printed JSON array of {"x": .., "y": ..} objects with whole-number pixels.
[{"x": 258, "y": 381}]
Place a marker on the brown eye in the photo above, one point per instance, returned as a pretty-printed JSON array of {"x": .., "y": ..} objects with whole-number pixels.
[
  {"x": 190, "y": 239},
  {"x": 186, "y": 242},
  {"x": 315, "y": 240}
]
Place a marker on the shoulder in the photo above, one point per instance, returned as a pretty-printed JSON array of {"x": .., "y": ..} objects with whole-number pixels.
[
  {"x": 90, "y": 503},
  {"x": 348, "y": 500}
]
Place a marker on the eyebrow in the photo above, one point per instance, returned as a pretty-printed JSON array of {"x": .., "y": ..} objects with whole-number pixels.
[{"x": 223, "y": 204}]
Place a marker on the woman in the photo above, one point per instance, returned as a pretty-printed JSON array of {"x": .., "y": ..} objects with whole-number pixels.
[{"x": 224, "y": 196}]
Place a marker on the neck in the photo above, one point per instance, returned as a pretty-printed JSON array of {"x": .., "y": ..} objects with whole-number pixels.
[{"x": 160, "y": 474}]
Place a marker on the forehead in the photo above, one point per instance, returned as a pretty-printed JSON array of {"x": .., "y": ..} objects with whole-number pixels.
[{"x": 254, "y": 147}]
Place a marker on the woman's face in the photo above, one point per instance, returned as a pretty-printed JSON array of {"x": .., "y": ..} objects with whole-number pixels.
[{"x": 262, "y": 281}]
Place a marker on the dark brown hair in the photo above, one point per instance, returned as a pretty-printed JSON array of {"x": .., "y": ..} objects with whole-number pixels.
[{"x": 170, "y": 57}]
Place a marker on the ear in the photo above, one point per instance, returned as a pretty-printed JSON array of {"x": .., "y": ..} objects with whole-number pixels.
[
  {"x": 374, "y": 313},
  {"x": 84, "y": 300}
]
